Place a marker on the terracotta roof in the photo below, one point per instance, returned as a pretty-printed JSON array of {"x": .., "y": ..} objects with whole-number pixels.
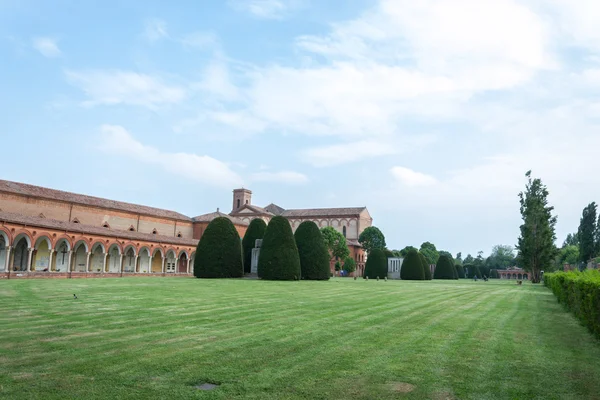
[
  {"x": 324, "y": 212},
  {"x": 38, "y": 191},
  {"x": 254, "y": 209},
  {"x": 353, "y": 243},
  {"x": 90, "y": 229},
  {"x": 210, "y": 216},
  {"x": 274, "y": 209}
]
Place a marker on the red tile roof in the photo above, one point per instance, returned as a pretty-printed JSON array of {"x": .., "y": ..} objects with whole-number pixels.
[
  {"x": 210, "y": 216},
  {"x": 324, "y": 212},
  {"x": 59, "y": 195}
]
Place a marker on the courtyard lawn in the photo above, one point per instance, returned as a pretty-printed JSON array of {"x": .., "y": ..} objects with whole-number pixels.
[{"x": 154, "y": 338}]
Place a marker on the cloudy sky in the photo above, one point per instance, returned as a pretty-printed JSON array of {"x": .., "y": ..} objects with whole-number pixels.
[{"x": 428, "y": 112}]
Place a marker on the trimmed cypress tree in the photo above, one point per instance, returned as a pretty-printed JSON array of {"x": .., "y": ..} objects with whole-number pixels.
[
  {"x": 412, "y": 267},
  {"x": 472, "y": 270},
  {"x": 376, "y": 265},
  {"x": 494, "y": 274},
  {"x": 455, "y": 271},
  {"x": 256, "y": 230},
  {"x": 426, "y": 268},
  {"x": 219, "y": 251},
  {"x": 444, "y": 269},
  {"x": 313, "y": 252},
  {"x": 461, "y": 271},
  {"x": 279, "y": 259}
]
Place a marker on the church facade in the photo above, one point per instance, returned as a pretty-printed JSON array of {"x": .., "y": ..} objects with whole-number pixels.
[{"x": 51, "y": 233}]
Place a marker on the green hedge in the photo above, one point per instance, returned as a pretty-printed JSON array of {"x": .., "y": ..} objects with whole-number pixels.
[
  {"x": 426, "y": 268},
  {"x": 313, "y": 252},
  {"x": 219, "y": 251},
  {"x": 256, "y": 230},
  {"x": 444, "y": 269},
  {"x": 412, "y": 268},
  {"x": 472, "y": 270},
  {"x": 460, "y": 271},
  {"x": 279, "y": 259},
  {"x": 494, "y": 274},
  {"x": 580, "y": 293},
  {"x": 376, "y": 265}
]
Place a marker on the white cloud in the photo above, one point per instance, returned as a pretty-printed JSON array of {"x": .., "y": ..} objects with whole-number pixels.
[
  {"x": 116, "y": 140},
  {"x": 155, "y": 29},
  {"x": 408, "y": 177},
  {"x": 268, "y": 9},
  {"x": 289, "y": 177},
  {"x": 124, "y": 87},
  {"x": 346, "y": 153},
  {"x": 46, "y": 46}
]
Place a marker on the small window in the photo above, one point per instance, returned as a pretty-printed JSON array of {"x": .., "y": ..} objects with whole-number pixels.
[
  {"x": 179, "y": 235},
  {"x": 154, "y": 232},
  {"x": 238, "y": 203},
  {"x": 246, "y": 201},
  {"x": 344, "y": 230},
  {"x": 75, "y": 221},
  {"x": 131, "y": 229},
  {"x": 105, "y": 225}
]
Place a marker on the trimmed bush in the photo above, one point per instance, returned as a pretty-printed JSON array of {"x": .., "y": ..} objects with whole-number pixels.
[
  {"x": 219, "y": 251},
  {"x": 472, "y": 271},
  {"x": 455, "y": 271},
  {"x": 426, "y": 268},
  {"x": 494, "y": 274},
  {"x": 376, "y": 265},
  {"x": 485, "y": 271},
  {"x": 256, "y": 230},
  {"x": 412, "y": 268},
  {"x": 461, "y": 271},
  {"x": 313, "y": 252},
  {"x": 444, "y": 269},
  {"x": 279, "y": 259},
  {"x": 580, "y": 293}
]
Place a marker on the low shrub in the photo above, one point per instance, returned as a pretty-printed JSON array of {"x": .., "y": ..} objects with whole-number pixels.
[
  {"x": 580, "y": 293},
  {"x": 412, "y": 268}
]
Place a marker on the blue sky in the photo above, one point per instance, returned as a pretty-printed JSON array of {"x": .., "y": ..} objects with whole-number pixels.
[{"x": 429, "y": 113}]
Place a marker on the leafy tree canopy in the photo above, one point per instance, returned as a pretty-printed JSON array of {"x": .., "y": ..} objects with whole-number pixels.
[
  {"x": 536, "y": 242},
  {"x": 430, "y": 252},
  {"x": 405, "y": 250},
  {"x": 502, "y": 257},
  {"x": 336, "y": 243},
  {"x": 572, "y": 239},
  {"x": 587, "y": 233},
  {"x": 568, "y": 255},
  {"x": 468, "y": 260},
  {"x": 371, "y": 238},
  {"x": 349, "y": 265}
]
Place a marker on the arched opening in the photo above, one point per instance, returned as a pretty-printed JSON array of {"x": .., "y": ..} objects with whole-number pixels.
[
  {"x": 105, "y": 225},
  {"x": 41, "y": 255},
  {"x": 144, "y": 260},
  {"x": 80, "y": 257},
  {"x": 61, "y": 258},
  {"x": 183, "y": 263},
  {"x": 154, "y": 231},
  {"x": 75, "y": 220},
  {"x": 113, "y": 261},
  {"x": 519, "y": 276},
  {"x": 20, "y": 255},
  {"x": 238, "y": 203},
  {"x": 3, "y": 252},
  {"x": 97, "y": 258},
  {"x": 129, "y": 265},
  {"x": 525, "y": 276},
  {"x": 157, "y": 261},
  {"x": 131, "y": 229},
  {"x": 170, "y": 262},
  {"x": 344, "y": 230},
  {"x": 179, "y": 235}
]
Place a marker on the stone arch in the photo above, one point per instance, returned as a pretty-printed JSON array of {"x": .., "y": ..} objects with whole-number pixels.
[
  {"x": 182, "y": 262},
  {"x": 170, "y": 261},
  {"x": 79, "y": 256},
  {"x": 97, "y": 257},
  {"x": 20, "y": 252},
  {"x": 23, "y": 234},
  {"x": 41, "y": 254},
  {"x": 4, "y": 243},
  {"x": 144, "y": 259},
  {"x": 62, "y": 238},
  {"x": 130, "y": 255},
  {"x": 114, "y": 258},
  {"x": 156, "y": 260}
]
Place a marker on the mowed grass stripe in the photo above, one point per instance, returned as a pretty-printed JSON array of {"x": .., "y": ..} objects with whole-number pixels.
[{"x": 147, "y": 337}]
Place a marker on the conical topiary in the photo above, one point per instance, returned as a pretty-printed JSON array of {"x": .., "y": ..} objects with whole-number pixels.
[
  {"x": 454, "y": 271},
  {"x": 461, "y": 271},
  {"x": 256, "y": 230},
  {"x": 219, "y": 251},
  {"x": 426, "y": 268},
  {"x": 444, "y": 269},
  {"x": 412, "y": 268},
  {"x": 472, "y": 271},
  {"x": 313, "y": 252},
  {"x": 279, "y": 259},
  {"x": 376, "y": 265}
]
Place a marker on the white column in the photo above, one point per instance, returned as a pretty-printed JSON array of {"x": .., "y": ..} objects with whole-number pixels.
[
  {"x": 29, "y": 259},
  {"x": 87, "y": 262},
  {"x": 163, "y": 265},
  {"x": 150, "y": 263},
  {"x": 121, "y": 263},
  {"x": 135, "y": 266},
  {"x": 69, "y": 267},
  {"x": 176, "y": 265},
  {"x": 188, "y": 265},
  {"x": 50, "y": 260},
  {"x": 7, "y": 265},
  {"x": 104, "y": 263}
]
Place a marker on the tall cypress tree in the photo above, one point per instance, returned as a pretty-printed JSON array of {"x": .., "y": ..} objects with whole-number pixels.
[
  {"x": 279, "y": 259},
  {"x": 426, "y": 268},
  {"x": 256, "y": 230},
  {"x": 313, "y": 252},
  {"x": 219, "y": 251},
  {"x": 587, "y": 233},
  {"x": 536, "y": 244}
]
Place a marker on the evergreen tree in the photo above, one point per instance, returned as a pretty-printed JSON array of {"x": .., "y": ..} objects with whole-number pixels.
[
  {"x": 587, "y": 233},
  {"x": 444, "y": 268},
  {"x": 376, "y": 265},
  {"x": 256, "y": 230},
  {"x": 279, "y": 259},
  {"x": 405, "y": 250},
  {"x": 371, "y": 238},
  {"x": 536, "y": 242},
  {"x": 472, "y": 271},
  {"x": 430, "y": 252},
  {"x": 460, "y": 271},
  {"x": 219, "y": 251},
  {"x": 426, "y": 268},
  {"x": 314, "y": 256},
  {"x": 412, "y": 267}
]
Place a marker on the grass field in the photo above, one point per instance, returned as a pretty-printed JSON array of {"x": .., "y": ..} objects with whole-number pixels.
[{"x": 343, "y": 339}]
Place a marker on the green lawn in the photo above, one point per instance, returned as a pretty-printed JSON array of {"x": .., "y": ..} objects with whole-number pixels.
[{"x": 343, "y": 339}]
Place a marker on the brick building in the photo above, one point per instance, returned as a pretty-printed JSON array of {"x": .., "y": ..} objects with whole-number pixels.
[{"x": 46, "y": 232}]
